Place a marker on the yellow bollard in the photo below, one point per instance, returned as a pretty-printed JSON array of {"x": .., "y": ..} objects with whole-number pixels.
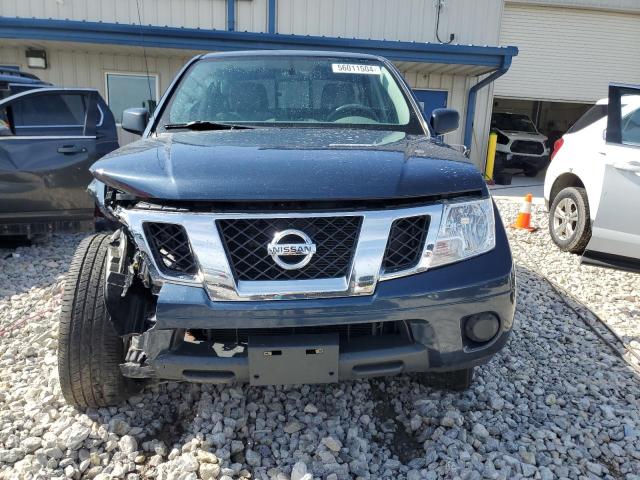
[{"x": 491, "y": 155}]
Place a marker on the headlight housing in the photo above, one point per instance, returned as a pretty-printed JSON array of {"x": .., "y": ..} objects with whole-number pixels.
[{"x": 467, "y": 229}]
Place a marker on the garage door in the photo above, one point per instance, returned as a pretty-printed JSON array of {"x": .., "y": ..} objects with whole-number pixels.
[{"x": 568, "y": 54}]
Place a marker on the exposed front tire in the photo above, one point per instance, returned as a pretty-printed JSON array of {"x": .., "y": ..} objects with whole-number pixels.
[
  {"x": 455, "y": 380},
  {"x": 89, "y": 350},
  {"x": 569, "y": 220}
]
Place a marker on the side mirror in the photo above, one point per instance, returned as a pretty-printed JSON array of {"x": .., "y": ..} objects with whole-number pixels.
[
  {"x": 135, "y": 120},
  {"x": 444, "y": 120}
]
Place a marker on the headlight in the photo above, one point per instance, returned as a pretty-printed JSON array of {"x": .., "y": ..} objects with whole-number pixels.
[
  {"x": 466, "y": 230},
  {"x": 502, "y": 139}
]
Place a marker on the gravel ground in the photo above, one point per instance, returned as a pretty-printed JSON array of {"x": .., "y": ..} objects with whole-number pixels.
[
  {"x": 613, "y": 295},
  {"x": 555, "y": 403}
]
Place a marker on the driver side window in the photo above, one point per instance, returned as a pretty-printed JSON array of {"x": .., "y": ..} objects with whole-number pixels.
[
  {"x": 631, "y": 128},
  {"x": 5, "y": 125}
]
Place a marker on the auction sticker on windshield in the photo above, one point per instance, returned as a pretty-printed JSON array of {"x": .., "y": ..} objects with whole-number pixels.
[{"x": 352, "y": 68}]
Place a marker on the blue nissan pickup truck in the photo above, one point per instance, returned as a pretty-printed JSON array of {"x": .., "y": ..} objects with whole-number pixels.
[{"x": 286, "y": 218}]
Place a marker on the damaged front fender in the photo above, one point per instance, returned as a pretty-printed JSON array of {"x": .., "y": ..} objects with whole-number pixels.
[{"x": 126, "y": 298}]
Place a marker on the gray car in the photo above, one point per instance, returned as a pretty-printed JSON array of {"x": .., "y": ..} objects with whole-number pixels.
[{"x": 49, "y": 137}]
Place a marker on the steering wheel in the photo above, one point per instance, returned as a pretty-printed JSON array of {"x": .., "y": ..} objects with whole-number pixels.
[{"x": 353, "y": 110}]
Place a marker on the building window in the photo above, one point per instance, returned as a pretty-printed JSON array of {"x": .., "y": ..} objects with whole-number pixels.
[{"x": 129, "y": 90}]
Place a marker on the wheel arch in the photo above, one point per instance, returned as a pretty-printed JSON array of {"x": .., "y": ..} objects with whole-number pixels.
[{"x": 563, "y": 181}]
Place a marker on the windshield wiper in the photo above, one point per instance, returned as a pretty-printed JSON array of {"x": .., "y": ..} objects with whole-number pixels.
[{"x": 206, "y": 125}]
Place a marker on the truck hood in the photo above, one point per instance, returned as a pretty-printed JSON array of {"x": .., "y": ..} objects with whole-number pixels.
[
  {"x": 287, "y": 164},
  {"x": 514, "y": 135}
]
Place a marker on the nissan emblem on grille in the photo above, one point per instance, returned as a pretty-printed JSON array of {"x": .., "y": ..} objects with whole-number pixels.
[{"x": 277, "y": 250}]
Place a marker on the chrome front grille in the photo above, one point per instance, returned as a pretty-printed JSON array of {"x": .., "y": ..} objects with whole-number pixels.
[
  {"x": 170, "y": 247},
  {"x": 527, "y": 146},
  {"x": 246, "y": 241},
  {"x": 406, "y": 242},
  {"x": 227, "y": 254}
]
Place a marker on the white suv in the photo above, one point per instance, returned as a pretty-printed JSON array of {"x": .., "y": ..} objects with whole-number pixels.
[
  {"x": 520, "y": 144},
  {"x": 592, "y": 185}
]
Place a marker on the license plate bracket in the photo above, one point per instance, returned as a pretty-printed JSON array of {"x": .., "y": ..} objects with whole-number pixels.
[{"x": 293, "y": 359}]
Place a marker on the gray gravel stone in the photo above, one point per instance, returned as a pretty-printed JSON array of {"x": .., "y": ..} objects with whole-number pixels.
[
  {"x": 594, "y": 468},
  {"x": 73, "y": 436},
  {"x": 310, "y": 408},
  {"x": 31, "y": 444},
  {"x": 293, "y": 427},
  {"x": 332, "y": 443},
  {"x": 253, "y": 458},
  {"x": 128, "y": 444},
  {"x": 299, "y": 470},
  {"x": 480, "y": 431}
]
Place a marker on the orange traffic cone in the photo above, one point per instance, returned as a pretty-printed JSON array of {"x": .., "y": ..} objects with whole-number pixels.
[{"x": 524, "y": 217}]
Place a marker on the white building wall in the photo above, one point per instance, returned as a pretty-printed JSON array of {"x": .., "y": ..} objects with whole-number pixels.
[
  {"x": 568, "y": 54},
  {"x": 252, "y": 15},
  {"x": 617, "y": 5},
  {"x": 211, "y": 14},
  {"x": 471, "y": 21},
  {"x": 82, "y": 68},
  {"x": 457, "y": 87}
]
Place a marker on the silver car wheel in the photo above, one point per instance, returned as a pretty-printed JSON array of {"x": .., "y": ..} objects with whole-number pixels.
[{"x": 565, "y": 219}]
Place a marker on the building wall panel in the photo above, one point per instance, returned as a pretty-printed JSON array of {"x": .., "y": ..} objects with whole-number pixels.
[
  {"x": 211, "y": 14},
  {"x": 251, "y": 15},
  {"x": 457, "y": 87},
  {"x": 409, "y": 20},
  {"x": 471, "y": 21},
  {"x": 618, "y": 5},
  {"x": 71, "y": 68},
  {"x": 568, "y": 54}
]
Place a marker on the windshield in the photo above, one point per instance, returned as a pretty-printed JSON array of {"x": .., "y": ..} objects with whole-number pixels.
[
  {"x": 513, "y": 122},
  {"x": 291, "y": 91}
]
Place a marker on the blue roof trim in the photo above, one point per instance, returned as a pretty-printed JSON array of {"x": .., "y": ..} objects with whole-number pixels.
[{"x": 222, "y": 40}]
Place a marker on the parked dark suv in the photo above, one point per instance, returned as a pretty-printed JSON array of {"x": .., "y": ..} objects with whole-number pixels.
[
  {"x": 49, "y": 137},
  {"x": 287, "y": 217},
  {"x": 13, "y": 80}
]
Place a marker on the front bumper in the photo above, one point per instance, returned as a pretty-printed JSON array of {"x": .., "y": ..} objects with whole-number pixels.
[
  {"x": 433, "y": 305},
  {"x": 519, "y": 160}
]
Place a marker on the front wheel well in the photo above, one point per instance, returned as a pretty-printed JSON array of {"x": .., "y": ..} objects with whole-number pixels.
[{"x": 563, "y": 181}]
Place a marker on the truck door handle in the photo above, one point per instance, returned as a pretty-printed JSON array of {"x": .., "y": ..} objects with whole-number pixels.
[{"x": 71, "y": 149}]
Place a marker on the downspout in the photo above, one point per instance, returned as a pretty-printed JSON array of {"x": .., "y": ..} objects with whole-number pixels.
[
  {"x": 231, "y": 15},
  {"x": 271, "y": 20},
  {"x": 471, "y": 100}
]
